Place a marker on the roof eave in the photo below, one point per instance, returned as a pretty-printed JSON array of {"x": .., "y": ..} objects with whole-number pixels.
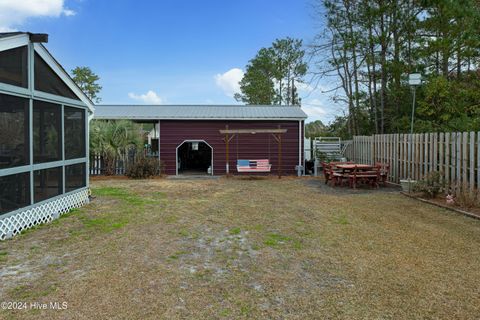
[{"x": 192, "y": 118}]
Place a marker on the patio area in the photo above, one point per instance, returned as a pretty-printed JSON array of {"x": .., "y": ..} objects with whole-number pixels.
[{"x": 246, "y": 248}]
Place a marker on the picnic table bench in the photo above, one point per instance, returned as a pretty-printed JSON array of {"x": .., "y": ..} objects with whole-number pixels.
[{"x": 356, "y": 173}]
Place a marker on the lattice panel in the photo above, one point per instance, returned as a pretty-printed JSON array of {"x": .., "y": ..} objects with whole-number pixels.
[{"x": 43, "y": 213}]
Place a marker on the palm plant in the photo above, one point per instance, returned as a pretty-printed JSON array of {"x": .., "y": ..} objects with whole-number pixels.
[{"x": 113, "y": 140}]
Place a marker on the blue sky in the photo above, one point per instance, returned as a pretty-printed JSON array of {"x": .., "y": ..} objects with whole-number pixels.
[{"x": 168, "y": 52}]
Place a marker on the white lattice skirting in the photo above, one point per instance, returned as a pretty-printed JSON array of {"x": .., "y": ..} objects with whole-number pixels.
[{"x": 43, "y": 213}]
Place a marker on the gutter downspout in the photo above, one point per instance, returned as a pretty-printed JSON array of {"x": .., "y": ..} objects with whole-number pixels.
[
  {"x": 159, "y": 159},
  {"x": 310, "y": 147},
  {"x": 299, "y": 167}
]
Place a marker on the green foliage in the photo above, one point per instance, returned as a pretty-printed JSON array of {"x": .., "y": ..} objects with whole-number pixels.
[
  {"x": 144, "y": 168},
  {"x": 123, "y": 194},
  {"x": 235, "y": 231},
  {"x": 271, "y": 75},
  {"x": 113, "y": 139},
  {"x": 372, "y": 46},
  {"x": 450, "y": 105},
  {"x": 257, "y": 85},
  {"x": 315, "y": 129},
  {"x": 3, "y": 256},
  {"x": 431, "y": 185},
  {"x": 275, "y": 239},
  {"x": 87, "y": 80},
  {"x": 105, "y": 223}
]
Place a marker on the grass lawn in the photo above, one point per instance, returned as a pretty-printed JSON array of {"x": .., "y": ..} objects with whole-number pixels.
[{"x": 233, "y": 248}]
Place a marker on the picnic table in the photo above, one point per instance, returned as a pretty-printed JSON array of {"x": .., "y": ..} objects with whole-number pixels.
[
  {"x": 357, "y": 173},
  {"x": 352, "y": 166}
]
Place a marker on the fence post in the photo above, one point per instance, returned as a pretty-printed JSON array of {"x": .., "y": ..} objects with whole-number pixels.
[
  {"x": 472, "y": 161},
  {"x": 447, "y": 158},
  {"x": 478, "y": 160},
  {"x": 435, "y": 151},
  {"x": 441, "y": 139},
  {"x": 459, "y": 157},
  {"x": 464, "y": 159}
]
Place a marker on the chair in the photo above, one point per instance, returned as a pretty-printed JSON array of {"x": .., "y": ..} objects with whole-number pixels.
[
  {"x": 336, "y": 176},
  {"x": 326, "y": 171}
]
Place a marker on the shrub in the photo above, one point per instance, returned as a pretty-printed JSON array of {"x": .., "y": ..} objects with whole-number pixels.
[
  {"x": 431, "y": 185},
  {"x": 144, "y": 168},
  {"x": 465, "y": 197}
]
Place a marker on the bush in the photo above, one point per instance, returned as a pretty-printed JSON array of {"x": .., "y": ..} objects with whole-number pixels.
[
  {"x": 144, "y": 168},
  {"x": 431, "y": 185},
  {"x": 465, "y": 197}
]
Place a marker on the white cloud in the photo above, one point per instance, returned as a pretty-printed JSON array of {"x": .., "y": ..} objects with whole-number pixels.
[
  {"x": 151, "y": 97},
  {"x": 69, "y": 12},
  {"x": 229, "y": 81},
  {"x": 315, "y": 110},
  {"x": 14, "y": 12}
]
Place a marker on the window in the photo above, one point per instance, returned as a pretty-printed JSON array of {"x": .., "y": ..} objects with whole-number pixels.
[
  {"x": 47, "y": 140},
  {"x": 75, "y": 177},
  {"x": 74, "y": 122},
  {"x": 48, "y": 183},
  {"x": 14, "y": 192},
  {"x": 14, "y": 147},
  {"x": 14, "y": 66},
  {"x": 47, "y": 80}
]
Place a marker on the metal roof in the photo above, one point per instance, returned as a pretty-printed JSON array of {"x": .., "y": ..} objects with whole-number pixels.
[
  {"x": 199, "y": 112},
  {"x": 34, "y": 37},
  {"x": 10, "y": 34}
]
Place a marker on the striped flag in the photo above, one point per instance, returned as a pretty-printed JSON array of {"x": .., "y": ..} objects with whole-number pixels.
[{"x": 261, "y": 165}]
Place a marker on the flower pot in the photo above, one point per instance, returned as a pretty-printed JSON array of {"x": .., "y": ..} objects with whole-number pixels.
[{"x": 407, "y": 185}]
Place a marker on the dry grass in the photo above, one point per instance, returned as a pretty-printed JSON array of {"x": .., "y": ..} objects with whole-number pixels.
[{"x": 223, "y": 249}]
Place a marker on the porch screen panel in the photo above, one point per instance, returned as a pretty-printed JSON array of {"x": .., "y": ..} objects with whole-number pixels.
[
  {"x": 14, "y": 66},
  {"x": 74, "y": 121},
  {"x": 48, "y": 183},
  {"x": 14, "y": 192},
  {"x": 47, "y": 80},
  {"x": 75, "y": 177},
  {"x": 47, "y": 139},
  {"x": 14, "y": 147}
]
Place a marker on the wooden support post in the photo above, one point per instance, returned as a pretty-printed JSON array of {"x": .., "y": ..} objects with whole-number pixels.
[
  {"x": 279, "y": 155},
  {"x": 227, "y": 140}
]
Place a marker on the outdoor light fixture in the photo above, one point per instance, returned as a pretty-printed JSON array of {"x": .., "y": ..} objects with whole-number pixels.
[
  {"x": 414, "y": 80},
  {"x": 195, "y": 146}
]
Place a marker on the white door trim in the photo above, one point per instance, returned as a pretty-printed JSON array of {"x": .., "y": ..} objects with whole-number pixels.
[{"x": 192, "y": 140}]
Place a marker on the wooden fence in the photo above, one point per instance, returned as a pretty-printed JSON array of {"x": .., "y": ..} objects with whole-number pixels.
[
  {"x": 97, "y": 165},
  {"x": 122, "y": 162},
  {"x": 455, "y": 154}
]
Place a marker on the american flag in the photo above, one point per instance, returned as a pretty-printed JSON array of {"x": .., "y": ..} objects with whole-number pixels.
[{"x": 261, "y": 165}]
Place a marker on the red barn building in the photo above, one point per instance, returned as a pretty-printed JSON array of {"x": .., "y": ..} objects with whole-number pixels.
[{"x": 198, "y": 139}]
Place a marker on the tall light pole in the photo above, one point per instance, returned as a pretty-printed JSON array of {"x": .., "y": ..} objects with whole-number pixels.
[{"x": 414, "y": 80}]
